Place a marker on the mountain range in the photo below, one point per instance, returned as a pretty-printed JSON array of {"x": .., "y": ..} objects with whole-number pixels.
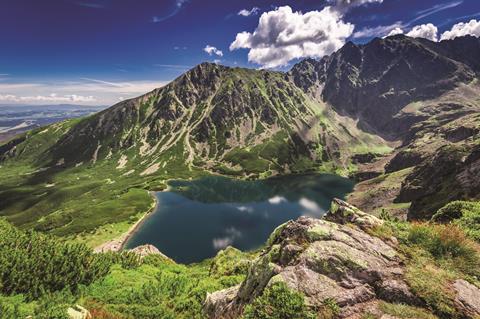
[{"x": 399, "y": 114}]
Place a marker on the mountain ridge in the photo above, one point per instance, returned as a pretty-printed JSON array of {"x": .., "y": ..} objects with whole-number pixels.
[{"x": 321, "y": 116}]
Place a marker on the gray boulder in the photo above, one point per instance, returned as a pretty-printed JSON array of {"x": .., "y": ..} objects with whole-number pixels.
[{"x": 325, "y": 259}]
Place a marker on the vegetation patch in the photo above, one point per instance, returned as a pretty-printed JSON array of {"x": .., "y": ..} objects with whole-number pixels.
[
  {"x": 278, "y": 302},
  {"x": 465, "y": 215}
]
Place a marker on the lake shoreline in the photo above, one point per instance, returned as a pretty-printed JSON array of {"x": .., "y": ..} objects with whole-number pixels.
[
  {"x": 217, "y": 212},
  {"x": 140, "y": 222},
  {"x": 119, "y": 243}
]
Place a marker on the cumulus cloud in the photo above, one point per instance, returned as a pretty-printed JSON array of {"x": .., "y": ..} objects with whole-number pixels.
[
  {"x": 283, "y": 35},
  {"x": 427, "y": 31},
  {"x": 211, "y": 50},
  {"x": 276, "y": 200},
  {"x": 395, "y": 32},
  {"x": 247, "y": 13},
  {"x": 462, "y": 29}
]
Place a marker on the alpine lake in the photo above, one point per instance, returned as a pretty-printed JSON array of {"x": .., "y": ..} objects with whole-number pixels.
[{"x": 195, "y": 219}]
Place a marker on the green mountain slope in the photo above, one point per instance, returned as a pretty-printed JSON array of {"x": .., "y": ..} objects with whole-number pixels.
[
  {"x": 75, "y": 176},
  {"x": 332, "y": 115}
]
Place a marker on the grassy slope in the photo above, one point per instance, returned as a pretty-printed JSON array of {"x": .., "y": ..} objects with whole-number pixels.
[{"x": 96, "y": 200}]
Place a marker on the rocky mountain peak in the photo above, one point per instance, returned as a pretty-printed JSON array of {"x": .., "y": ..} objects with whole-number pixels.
[{"x": 374, "y": 81}]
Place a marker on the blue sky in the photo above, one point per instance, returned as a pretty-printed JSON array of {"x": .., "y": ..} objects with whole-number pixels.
[{"x": 102, "y": 51}]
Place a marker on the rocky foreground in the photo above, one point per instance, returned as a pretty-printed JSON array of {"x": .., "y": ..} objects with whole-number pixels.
[{"x": 335, "y": 259}]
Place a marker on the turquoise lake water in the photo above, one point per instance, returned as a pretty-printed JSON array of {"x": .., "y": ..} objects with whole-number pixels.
[{"x": 196, "y": 219}]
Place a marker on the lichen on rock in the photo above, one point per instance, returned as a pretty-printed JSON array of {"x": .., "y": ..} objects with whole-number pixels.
[{"x": 331, "y": 259}]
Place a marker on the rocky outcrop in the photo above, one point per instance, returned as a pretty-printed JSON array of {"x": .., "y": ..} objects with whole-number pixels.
[
  {"x": 78, "y": 312},
  {"x": 146, "y": 250},
  {"x": 325, "y": 259},
  {"x": 453, "y": 173},
  {"x": 403, "y": 159},
  {"x": 467, "y": 298}
]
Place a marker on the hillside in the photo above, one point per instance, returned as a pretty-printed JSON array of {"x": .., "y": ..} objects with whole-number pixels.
[
  {"x": 344, "y": 114},
  {"x": 211, "y": 120}
]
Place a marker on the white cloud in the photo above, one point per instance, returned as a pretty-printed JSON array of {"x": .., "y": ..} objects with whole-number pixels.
[
  {"x": 435, "y": 9},
  {"x": 395, "y": 32},
  {"x": 247, "y": 13},
  {"x": 277, "y": 200},
  {"x": 211, "y": 50},
  {"x": 311, "y": 207},
  {"x": 221, "y": 243},
  {"x": 179, "y": 4},
  {"x": 462, "y": 29},
  {"x": 52, "y": 98},
  {"x": 308, "y": 204},
  {"x": 378, "y": 30},
  {"x": 283, "y": 35},
  {"x": 345, "y": 5},
  {"x": 86, "y": 91},
  {"x": 427, "y": 31}
]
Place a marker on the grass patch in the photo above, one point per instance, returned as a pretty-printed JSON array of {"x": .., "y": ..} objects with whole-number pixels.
[
  {"x": 465, "y": 215},
  {"x": 435, "y": 256},
  {"x": 405, "y": 311}
]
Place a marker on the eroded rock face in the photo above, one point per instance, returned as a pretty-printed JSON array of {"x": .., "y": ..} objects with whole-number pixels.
[
  {"x": 374, "y": 81},
  {"x": 332, "y": 258},
  {"x": 467, "y": 298},
  {"x": 452, "y": 174}
]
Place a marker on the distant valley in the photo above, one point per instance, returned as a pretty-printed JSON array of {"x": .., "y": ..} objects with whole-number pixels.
[{"x": 16, "y": 119}]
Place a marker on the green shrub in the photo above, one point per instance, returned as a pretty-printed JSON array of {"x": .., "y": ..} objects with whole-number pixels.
[
  {"x": 466, "y": 215},
  {"x": 34, "y": 264},
  {"x": 278, "y": 302},
  {"x": 447, "y": 242},
  {"x": 228, "y": 262}
]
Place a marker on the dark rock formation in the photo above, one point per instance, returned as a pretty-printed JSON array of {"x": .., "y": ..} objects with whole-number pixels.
[
  {"x": 452, "y": 173},
  {"x": 373, "y": 82}
]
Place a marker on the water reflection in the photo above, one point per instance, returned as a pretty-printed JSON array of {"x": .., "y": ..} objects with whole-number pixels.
[{"x": 195, "y": 219}]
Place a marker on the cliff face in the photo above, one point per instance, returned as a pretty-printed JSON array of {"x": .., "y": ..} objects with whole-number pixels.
[
  {"x": 336, "y": 260},
  {"x": 373, "y": 82}
]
